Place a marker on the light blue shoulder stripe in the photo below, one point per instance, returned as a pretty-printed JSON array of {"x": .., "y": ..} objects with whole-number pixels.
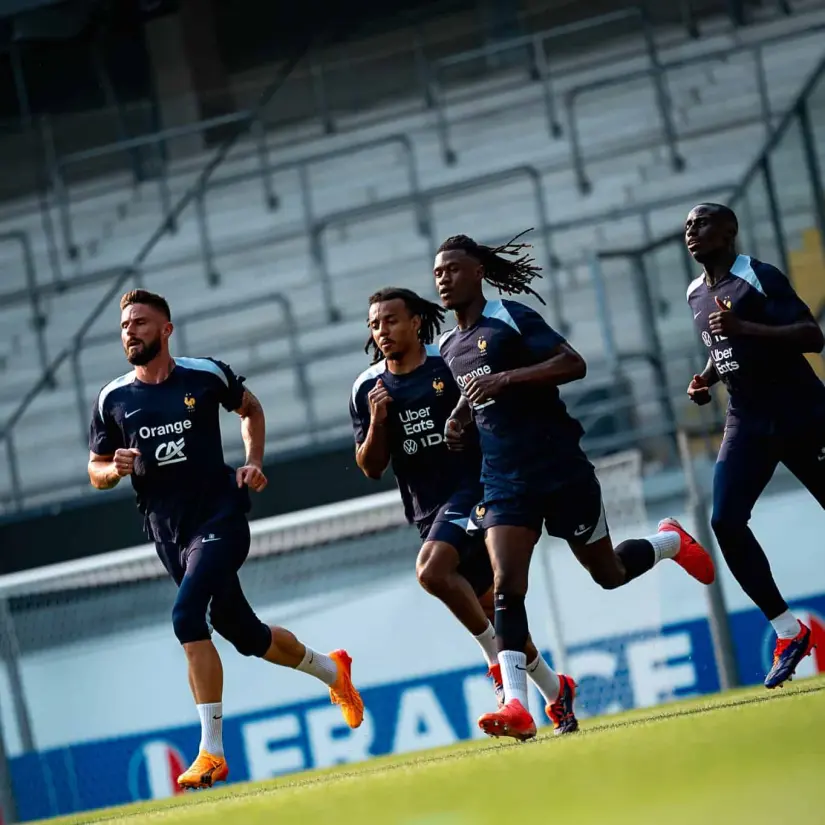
[
  {"x": 204, "y": 365},
  {"x": 694, "y": 285},
  {"x": 432, "y": 350},
  {"x": 497, "y": 310},
  {"x": 444, "y": 336},
  {"x": 743, "y": 268},
  {"x": 371, "y": 372},
  {"x": 122, "y": 381}
]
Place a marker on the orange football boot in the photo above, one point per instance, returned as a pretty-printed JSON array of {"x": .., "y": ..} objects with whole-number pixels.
[
  {"x": 511, "y": 720},
  {"x": 343, "y": 691},
  {"x": 204, "y": 772},
  {"x": 692, "y": 557}
]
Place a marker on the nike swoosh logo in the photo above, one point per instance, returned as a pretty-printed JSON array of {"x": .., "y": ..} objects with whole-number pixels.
[
  {"x": 206, "y": 541},
  {"x": 217, "y": 717},
  {"x": 696, "y": 315},
  {"x": 580, "y": 532},
  {"x": 452, "y": 513},
  {"x": 130, "y": 414},
  {"x": 519, "y": 667}
]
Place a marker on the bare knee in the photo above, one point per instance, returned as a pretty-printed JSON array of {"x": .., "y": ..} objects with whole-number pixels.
[{"x": 433, "y": 567}]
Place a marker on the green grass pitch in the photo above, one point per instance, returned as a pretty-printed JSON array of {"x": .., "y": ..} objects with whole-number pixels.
[{"x": 749, "y": 757}]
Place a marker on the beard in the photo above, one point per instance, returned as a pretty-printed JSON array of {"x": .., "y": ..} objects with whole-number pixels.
[{"x": 144, "y": 354}]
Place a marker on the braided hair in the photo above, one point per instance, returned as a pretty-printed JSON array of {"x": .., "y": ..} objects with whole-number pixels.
[
  {"x": 431, "y": 315},
  {"x": 510, "y": 276}
]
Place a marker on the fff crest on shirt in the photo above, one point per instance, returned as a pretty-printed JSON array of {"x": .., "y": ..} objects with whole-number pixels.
[
  {"x": 438, "y": 386},
  {"x": 189, "y": 400},
  {"x": 482, "y": 344}
]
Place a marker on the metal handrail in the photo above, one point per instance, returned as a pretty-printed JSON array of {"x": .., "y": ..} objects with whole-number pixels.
[
  {"x": 756, "y": 167},
  {"x": 541, "y": 67},
  {"x": 289, "y": 331},
  {"x": 58, "y": 164},
  {"x": 426, "y": 198},
  {"x": 38, "y": 318},
  {"x": 668, "y": 131},
  {"x": 302, "y": 165}
]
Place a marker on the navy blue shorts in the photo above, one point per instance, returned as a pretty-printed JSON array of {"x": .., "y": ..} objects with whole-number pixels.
[
  {"x": 574, "y": 512},
  {"x": 456, "y": 524},
  {"x": 206, "y": 572}
]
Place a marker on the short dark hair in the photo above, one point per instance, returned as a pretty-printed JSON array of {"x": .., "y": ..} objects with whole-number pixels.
[
  {"x": 431, "y": 315},
  {"x": 143, "y": 296},
  {"x": 510, "y": 276},
  {"x": 723, "y": 211}
]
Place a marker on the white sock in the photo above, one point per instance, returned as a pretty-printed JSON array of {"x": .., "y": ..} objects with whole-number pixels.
[
  {"x": 514, "y": 675},
  {"x": 665, "y": 545},
  {"x": 786, "y": 625},
  {"x": 320, "y": 666},
  {"x": 211, "y": 728},
  {"x": 545, "y": 679},
  {"x": 487, "y": 643}
]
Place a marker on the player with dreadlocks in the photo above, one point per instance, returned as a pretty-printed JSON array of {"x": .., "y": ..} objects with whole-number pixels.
[
  {"x": 399, "y": 410},
  {"x": 509, "y": 365}
]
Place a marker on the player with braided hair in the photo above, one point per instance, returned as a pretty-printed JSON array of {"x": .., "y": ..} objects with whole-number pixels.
[
  {"x": 509, "y": 365},
  {"x": 399, "y": 409}
]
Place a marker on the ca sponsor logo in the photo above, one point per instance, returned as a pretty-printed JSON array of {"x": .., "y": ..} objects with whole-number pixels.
[{"x": 170, "y": 452}]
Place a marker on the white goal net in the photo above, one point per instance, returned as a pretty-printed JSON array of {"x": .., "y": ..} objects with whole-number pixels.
[{"x": 94, "y": 702}]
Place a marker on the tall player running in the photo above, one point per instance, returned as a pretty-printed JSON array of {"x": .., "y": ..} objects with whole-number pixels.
[
  {"x": 756, "y": 329},
  {"x": 159, "y": 425},
  {"x": 399, "y": 408},
  {"x": 509, "y": 365}
]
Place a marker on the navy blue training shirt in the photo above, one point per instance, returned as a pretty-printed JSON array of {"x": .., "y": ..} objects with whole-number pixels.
[
  {"x": 765, "y": 378},
  {"x": 180, "y": 478},
  {"x": 529, "y": 441},
  {"x": 427, "y": 473}
]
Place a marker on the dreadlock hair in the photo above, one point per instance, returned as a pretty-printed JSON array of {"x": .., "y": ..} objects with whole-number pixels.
[
  {"x": 510, "y": 276},
  {"x": 431, "y": 315}
]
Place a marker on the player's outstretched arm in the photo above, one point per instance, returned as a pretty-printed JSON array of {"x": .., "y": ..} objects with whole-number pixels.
[
  {"x": 253, "y": 433},
  {"x": 105, "y": 471}
]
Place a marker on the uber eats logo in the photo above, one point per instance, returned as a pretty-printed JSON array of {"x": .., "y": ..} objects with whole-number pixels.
[
  {"x": 168, "y": 452},
  {"x": 418, "y": 424}
]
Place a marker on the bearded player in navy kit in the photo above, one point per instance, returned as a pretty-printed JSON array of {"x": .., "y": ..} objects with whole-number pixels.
[
  {"x": 756, "y": 329},
  {"x": 399, "y": 408},
  {"x": 158, "y": 425},
  {"x": 509, "y": 365}
]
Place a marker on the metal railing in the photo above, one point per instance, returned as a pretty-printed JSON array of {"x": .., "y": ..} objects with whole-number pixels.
[
  {"x": 668, "y": 130},
  {"x": 303, "y": 166},
  {"x": 38, "y": 317},
  {"x": 540, "y": 66},
  {"x": 423, "y": 204}
]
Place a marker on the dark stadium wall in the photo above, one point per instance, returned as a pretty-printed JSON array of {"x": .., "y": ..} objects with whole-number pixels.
[{"x": 110, "y": 521}]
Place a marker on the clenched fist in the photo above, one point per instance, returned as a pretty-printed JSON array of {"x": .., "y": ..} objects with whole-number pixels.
[
  {"x": 124, "y": 461},
  {"x": 252, "y": 476},
  {"x": 379, "y": 399}
]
